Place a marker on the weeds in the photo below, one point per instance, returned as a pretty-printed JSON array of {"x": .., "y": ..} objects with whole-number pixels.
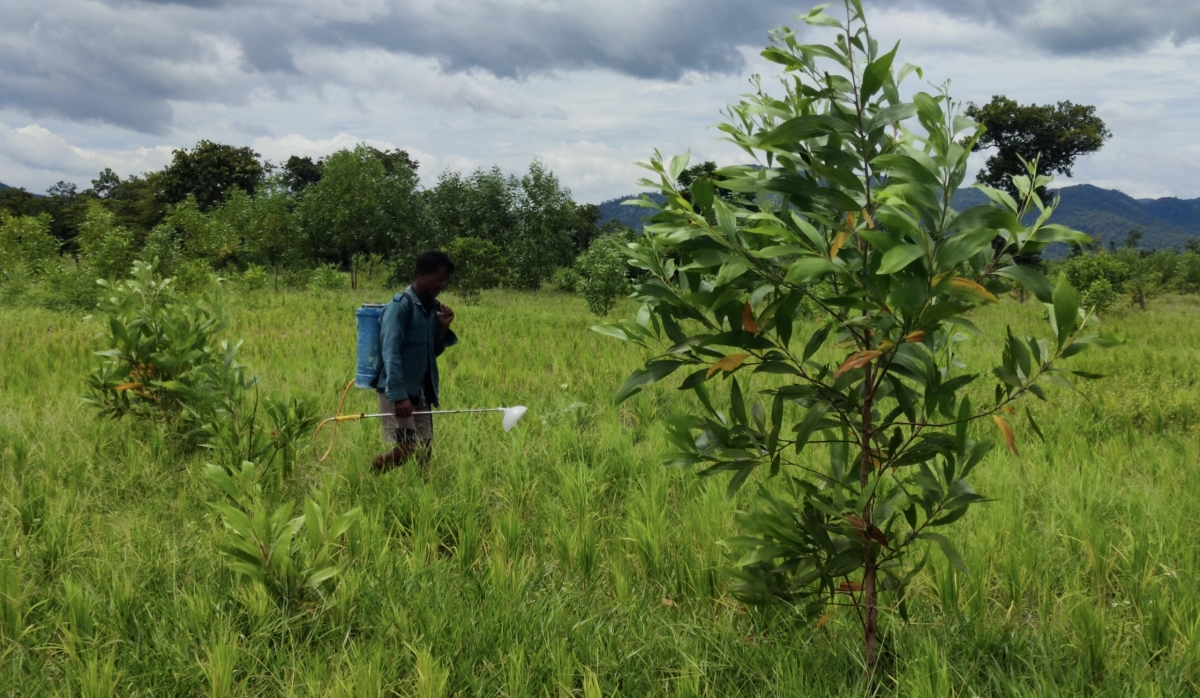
[{"x": 124, "y": 514}]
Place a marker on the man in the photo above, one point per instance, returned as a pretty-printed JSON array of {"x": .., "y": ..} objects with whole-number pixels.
[{"x": 414, "y": 330}]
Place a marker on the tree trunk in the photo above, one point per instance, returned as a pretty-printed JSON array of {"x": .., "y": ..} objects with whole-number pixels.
[
  {"x": 866, "y": 469},
  {"x": 276, "y": 277},
  {"x": 353, "y": 276}
]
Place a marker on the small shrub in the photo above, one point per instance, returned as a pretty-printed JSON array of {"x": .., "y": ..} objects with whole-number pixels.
[
  {"x": 565, "y": 279},
  {"x": 106, "y": 249},
  {"x": 292, "y": 558},
  {"x": 26, "y": 246},
  {"x": 1099, "y": 295},
  {"x": 163, "y": 245},
  {"x": 604, "y": 272},
  {"x": 296, "y": 278},
  {"x": 327, "y": 277},
  {"x": 254, "y": 278},
  {"x": 163, "y": 359},
  {"x": 194, "y": 275},
  {"x": 158, "y": 349},
  {"x": 477, "y": 266},
  {"x": 69, "y": 288}
]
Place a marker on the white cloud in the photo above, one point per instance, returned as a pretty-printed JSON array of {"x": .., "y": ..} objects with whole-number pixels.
[
  {"x": 302, "y": 77},
  {"x": 43, "y": 157}
]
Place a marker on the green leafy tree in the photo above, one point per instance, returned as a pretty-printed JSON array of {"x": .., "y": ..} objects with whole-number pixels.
[
  {"x": 1100, "y": 277},
  {"x": 477, "y": 265},
  {"x": 209, "y": 172},
  {"x": 17, "y": 201},
  {"x": 299, "y": 173},
  {"x": 547, "y": 218},
  {"x": 26, "y": 245},
  {"x": 585, "y": 227},
  {"x": 136, "y": 201},
  {"x": 1146, "y": 275},
  {"x": 1053, "y": 134},
  {"x": 66, "y": 208},
  {"x": 603, "y": 272},
  {"x": 106, "y": 248},
  {"x": 847, "y": 208},
  {"x": 273, "y": 234},
  {"x": 366, "y": 201}
]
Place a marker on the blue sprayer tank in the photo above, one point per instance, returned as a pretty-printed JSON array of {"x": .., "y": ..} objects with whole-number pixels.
[{"x": 368, "y": 344}]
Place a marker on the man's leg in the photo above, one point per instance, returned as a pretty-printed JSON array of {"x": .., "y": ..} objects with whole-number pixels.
[
  {"x": 396, "y": 456},
  {"x": 401, "y": 434}
]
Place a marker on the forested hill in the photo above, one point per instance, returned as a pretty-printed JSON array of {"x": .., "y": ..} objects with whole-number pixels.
[
  {"x": 1110, "y": 214},
  {"x": 4, "y": 186},
  {"x": 1104, "y": 212},
  {"x": 632, "y": 216}
]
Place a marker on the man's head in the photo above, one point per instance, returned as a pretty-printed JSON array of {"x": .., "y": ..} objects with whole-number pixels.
[{"x": 432, "y": 273}]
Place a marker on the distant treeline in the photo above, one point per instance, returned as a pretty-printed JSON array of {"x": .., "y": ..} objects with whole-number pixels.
[{"x": 219, "y": 207}]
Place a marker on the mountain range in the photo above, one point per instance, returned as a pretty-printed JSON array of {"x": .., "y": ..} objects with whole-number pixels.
[{"x": 1106, "y": 213}]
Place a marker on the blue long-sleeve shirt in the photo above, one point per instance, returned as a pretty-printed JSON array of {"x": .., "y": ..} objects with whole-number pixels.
[{"x": 410, "y": 342}]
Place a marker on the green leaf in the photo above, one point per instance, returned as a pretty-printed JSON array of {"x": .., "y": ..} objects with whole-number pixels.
[
  {"x": 652, "y": 373},
  {"x": 726, "y": 218},
  {"x": 1101, "y": 341},
  {"x": 1034, "y": 425},
  {"x": 962, "y": 246},
  {"x": 1066, "y": 308},
  {"x": 737, "y": 404},
  {"x": 812, "y": 420},
  {"x": 316, "y": 578},
  {"x": 816, "y": 341},
  {"x": 821, "y": 20},
  {"x": 1031, "y": 279},
  {"x": 732, "y": 270},
  {"x": 898, "y": 258},
  {"x": 737, "y": 481},
  {"x": 891, "y": 115},
  {"x": 803, "y": 128},
  {"x": 877, "y": 73},
  {"x": 990, "y": 217},
  {"x": 906, "y": 167},
  {"x": 809, "y": 269},
  {"x": 611, "y": 331},
  {"x": 678, "y": 164}
]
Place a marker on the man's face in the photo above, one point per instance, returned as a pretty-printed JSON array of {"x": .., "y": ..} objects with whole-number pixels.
[{"x": 433, "y": 283}]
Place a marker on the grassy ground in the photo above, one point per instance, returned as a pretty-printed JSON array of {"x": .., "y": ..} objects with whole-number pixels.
[{"x": 561, "y": 558}]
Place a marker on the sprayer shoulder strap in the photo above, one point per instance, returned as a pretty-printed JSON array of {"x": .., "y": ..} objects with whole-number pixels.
[{"x": 408, "y": 309}]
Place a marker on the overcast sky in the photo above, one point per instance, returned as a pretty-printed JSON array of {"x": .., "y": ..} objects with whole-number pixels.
[{"x": 588, "y": 87}]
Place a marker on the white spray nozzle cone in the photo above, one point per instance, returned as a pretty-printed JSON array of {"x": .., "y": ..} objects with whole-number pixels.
[{"x": 512, "y": 415}]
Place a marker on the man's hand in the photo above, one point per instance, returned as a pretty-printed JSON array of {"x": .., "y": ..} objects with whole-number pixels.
[
  {"x": 404, "y": 409},
  {"x": 445, "y": 317}
]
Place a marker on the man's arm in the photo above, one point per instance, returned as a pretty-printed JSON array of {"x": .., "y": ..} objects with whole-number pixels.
[{"x": 445, "y": 336}]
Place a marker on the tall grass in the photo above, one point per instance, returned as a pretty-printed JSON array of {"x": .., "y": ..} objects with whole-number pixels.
[{"x": 561, "y": 559}]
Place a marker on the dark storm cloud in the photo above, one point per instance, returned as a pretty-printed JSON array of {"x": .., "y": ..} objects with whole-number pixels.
[
  {"x": 1072, "y": 27},
  {"x": 664, "y": 40},
  {"x": 124, "y": 62},
  {"x": 87, "y": 62}
]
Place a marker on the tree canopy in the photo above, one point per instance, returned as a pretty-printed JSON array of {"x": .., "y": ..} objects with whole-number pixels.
[{"x": 1053, "y": 134}]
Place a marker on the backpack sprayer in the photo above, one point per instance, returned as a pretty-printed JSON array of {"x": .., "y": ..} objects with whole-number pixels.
[{"x": 368, "y": 367}]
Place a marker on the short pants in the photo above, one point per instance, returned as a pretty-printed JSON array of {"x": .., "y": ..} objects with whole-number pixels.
[{"x": 416, "y": 429}]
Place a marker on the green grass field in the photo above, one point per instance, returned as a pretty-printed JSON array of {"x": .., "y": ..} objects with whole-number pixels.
[{"x": 561, "y": 558}]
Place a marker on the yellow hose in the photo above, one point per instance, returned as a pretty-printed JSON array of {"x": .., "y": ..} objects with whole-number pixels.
[{"x": 337, "y": 419}]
